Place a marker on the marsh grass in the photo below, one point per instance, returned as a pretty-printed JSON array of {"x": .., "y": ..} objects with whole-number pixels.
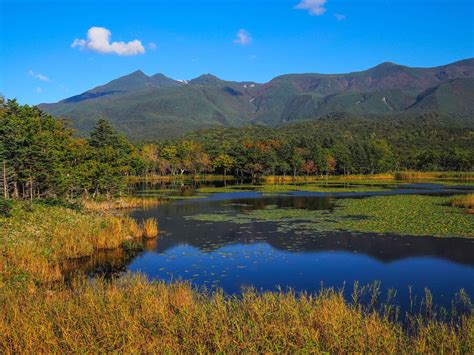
[
  {"x": 466, "y": 201},
  {"x": 401, "y": 175},
  {"x": 317, "y": 178},
  {"x": 36, "y": 239},
  {"x": 150, "y": 228},
  {"x": 132, "y": 314},
  {"x": 434, "y": 175},
  {"x": 128, "y": 202}
]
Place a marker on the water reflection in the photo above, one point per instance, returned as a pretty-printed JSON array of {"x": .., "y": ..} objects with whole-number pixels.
[
  {"x": 177, "y": 230},
  {"x": 106, "y": 263},
  {"x": 230, "y": 256}
]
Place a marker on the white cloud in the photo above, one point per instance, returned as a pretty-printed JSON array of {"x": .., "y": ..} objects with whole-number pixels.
[
  {"x": 340, "y": 17},
  {"x": 314, "y": 7},
  {"x": 243, "y": 38},
  {"x": 98, "y": 40},
  {"x": 38, "y": 75},
  {"x": 152, "y": 46},
  {"x": 39, "y": 90}
]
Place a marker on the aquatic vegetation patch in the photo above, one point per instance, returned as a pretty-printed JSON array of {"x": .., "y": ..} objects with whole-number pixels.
[
  {"x": 230, "y": 188},
  {"x": 399, "y": 214},
  {"x": 178, "y": 197},
  {"x": 323, "y": 186},
  {"x": 407, "y": 214}
]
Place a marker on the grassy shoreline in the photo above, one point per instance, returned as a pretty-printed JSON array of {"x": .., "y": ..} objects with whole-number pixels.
[
  {"x": 466, "y": 176},
  {"x": 36, "y": 239},
  {"x": 121, "y": 203},
  {"x": 132, "y": 314}
]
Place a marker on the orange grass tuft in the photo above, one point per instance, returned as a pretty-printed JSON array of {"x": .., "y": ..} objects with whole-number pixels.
[{"x": 150, "y": 228}]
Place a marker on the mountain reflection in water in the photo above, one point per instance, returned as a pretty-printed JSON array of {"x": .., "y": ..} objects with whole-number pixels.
[{"x": 229, "y": 255}]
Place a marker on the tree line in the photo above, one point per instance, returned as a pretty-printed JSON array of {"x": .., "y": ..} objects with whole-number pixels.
[
  {"x": 41, "y": 157},
  {"x": 316, "y": 148}
]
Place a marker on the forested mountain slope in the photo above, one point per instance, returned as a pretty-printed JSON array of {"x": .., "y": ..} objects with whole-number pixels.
[{"x": 149, "y": 107}]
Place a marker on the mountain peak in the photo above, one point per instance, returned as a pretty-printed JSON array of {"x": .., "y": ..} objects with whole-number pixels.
[
  {"x": 205, "y": 79},
  {"x": 136, "y": 73},
  {"x": 164, "y": 106},
  {"x": 159, "y": 75},
  {"x": 160, "y": 80},
  {"x": 385, "y": 66}
]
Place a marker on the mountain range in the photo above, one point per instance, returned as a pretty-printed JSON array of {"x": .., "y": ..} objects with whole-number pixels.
[{"x": 149, "y": 107}]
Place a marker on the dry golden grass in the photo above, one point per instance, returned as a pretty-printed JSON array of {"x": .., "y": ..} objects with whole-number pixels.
[
  {"x": 37, "y": 239},
  {"x": 404, "y": 175},
  {"x": 150, "y": 228},
  {"x": 120, "y": 203},
  {"x": 133, "y": 315},
  {"x": 288, "y": 178},
  {"x": 466, "y": 202},
  {"x": 434, "y": 175},
  {"x": 136, "y": 231}
]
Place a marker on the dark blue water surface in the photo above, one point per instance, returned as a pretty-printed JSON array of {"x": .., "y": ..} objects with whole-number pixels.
[{"x": 233, "y": 256}]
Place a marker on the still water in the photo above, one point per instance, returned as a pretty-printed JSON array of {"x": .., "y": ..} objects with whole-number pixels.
[{"x": 234, "y": 256}]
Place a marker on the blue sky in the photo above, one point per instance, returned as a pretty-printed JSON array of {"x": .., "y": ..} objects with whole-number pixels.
[{"x": 235, "y": 40}]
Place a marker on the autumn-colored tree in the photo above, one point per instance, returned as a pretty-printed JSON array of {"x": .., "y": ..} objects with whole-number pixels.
[
  {"x": 330, "y": 164},
  {"x": 309, "y": 167}
]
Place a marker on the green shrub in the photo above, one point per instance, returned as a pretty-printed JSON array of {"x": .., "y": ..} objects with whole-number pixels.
[
  {"x": 5, "y": 208},
  {"x": 58, "y": 202}
]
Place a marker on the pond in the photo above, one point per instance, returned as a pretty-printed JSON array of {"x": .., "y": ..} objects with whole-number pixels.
[{"x": 235, "y": 252}]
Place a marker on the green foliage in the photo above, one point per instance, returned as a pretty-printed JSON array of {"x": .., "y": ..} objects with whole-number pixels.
[
  {"x": 224, "y": 161},
  {"x": 132, "y": 246},
  {"x": 5, "y": 208},
  {"x": 40, "y": 158},
  {"x": 60, "y": 202},
  {"x": 340, "y": 146}
]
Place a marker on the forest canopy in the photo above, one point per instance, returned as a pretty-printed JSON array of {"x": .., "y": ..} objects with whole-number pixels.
[{"x": 41, "y": 157}]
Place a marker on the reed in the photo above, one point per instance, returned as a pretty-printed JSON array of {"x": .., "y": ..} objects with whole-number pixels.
[
  {"x": 136, "y": 230},
  {"x": 318, "y": 178},
  {"x": 36, "y": 239},
  {"x": 150, "y": 228},
  {"x": 121, "y": 203},
  {"x": 401, "y": 176},
  {"x": 434, "y": 175},
  {"x": 466, "y": 202},
  {"x": 132, "y": 314}
]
